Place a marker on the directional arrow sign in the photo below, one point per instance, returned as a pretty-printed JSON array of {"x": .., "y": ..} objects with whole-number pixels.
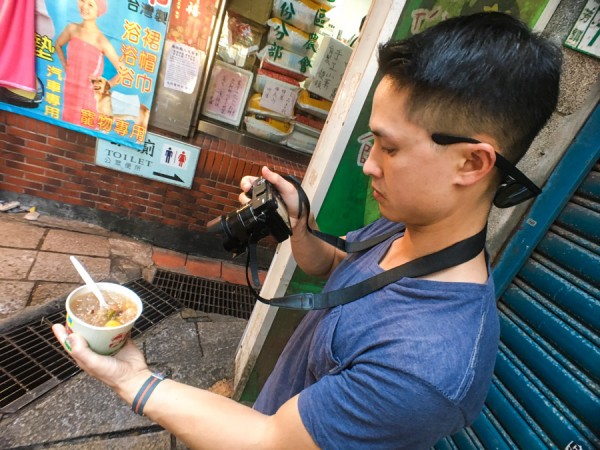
[
  {"x": 161, "y": 159},
  {"x": 170, "y": 177}
]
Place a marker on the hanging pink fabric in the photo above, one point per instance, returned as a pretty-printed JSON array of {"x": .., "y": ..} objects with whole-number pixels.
[{"x": 17, "y": 44}]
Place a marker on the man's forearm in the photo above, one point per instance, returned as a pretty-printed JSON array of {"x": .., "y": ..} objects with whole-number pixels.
[
  {"x": 313, "y": 255},
  {"x": 202, "y": 419}
]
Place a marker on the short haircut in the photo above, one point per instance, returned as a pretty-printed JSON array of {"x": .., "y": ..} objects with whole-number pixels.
[{"x": 482, "y": 73}]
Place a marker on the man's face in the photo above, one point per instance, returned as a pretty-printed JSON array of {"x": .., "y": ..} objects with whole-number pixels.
[{"x": 412, "y": 178}]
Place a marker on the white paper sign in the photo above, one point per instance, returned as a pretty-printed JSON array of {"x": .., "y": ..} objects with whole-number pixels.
[
  {"x": 183, "y": 64},
  {"x": 585, "y": 35},
  {"x": 279, "y": 98},
  {"x": 329, "y": 65}
]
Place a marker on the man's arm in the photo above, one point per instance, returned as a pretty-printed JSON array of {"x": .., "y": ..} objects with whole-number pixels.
[
  {"x": 313, "y": 255},
  {"x": 201, "y": 419}
]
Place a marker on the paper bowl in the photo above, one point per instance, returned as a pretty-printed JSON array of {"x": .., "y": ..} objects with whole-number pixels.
[{"x": 102, "y": 340}]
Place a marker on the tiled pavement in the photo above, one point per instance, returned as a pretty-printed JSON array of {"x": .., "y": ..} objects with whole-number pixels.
[
  {"x": 81, "y": 413},
  {"x": 35, "y": 266}
]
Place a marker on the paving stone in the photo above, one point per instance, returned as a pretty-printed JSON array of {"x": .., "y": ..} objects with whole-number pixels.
[
  {"x": 20, "y": 235},
  {"x": 77, "y": 408},
  {"x": 71, "y": 242},
  {"x": 15, "y": 263},
  {"x": 123, "y": 270},
  {"x": 197, "y": 352},
  {"x": 82, "y": 408},
  {"x": 160, "y": 440},
  {"x": 46, "y": 292},
  {"x": 138, "y": 252},
  {"x": 58, "y": 267},
  {"x": 14, "y": 296}
]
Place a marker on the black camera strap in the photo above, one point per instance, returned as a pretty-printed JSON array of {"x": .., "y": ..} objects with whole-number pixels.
[{"x": 446, "y": 258}]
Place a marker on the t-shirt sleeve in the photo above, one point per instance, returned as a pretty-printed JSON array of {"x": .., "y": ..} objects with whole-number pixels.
[{"x": 366, "y": 406}]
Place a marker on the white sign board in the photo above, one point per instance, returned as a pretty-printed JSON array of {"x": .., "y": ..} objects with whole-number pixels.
[
  {"x": 183, "y": 66},
  {"x": 328, "y": 67},
  {"x": 585, "y": 35},
  {"x": 161, "y": 159},
  {"x": 279, "y": 97}
]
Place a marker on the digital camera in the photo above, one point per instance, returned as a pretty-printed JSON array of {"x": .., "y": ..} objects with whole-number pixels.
[{"x": 265, "y": 214}]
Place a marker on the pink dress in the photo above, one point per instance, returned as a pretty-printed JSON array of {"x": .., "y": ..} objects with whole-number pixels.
[{"x": 83, "y": 60}]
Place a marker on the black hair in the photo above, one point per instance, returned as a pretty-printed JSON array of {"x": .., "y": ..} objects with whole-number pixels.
[{"x": 482, "y": 73}]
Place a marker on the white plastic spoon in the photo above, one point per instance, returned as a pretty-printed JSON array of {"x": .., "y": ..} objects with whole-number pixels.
[{"x": 89, "y": 282}]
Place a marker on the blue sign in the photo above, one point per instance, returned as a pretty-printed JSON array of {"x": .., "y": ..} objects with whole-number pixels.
[{"x": 161, "y": 159}]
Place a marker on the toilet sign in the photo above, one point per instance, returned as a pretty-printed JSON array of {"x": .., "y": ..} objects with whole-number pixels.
[{"x": 161, "y": 159}]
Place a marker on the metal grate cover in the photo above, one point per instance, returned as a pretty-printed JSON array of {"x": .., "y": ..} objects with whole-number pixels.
[
  {"x": 206, "y": 295},
  {"x": 33, "y": 362}
]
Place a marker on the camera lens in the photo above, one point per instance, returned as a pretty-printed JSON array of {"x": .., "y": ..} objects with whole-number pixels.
[{"x": 236, "y": 227}]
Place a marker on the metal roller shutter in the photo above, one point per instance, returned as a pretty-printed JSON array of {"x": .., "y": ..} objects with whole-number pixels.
[{"x": 546, "y": 387}]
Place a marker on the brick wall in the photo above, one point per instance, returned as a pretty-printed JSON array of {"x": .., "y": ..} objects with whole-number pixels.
[{"x": 51, "y": 163}]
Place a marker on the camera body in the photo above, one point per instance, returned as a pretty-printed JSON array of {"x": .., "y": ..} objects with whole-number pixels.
[{"x": 265, "y": 214}]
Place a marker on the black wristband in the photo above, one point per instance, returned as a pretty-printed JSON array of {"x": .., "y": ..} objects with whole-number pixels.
[{"x": 145, "y": 391}]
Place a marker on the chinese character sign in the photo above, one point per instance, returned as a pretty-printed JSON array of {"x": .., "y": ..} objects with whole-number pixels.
[
  {"x": 584, "y": 35},
  {"x": 227, "y": 93},
  {"x": 96, "y": 63}
]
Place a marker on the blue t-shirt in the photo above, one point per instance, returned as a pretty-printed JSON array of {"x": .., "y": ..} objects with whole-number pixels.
[{"x": 399, "y": 368}]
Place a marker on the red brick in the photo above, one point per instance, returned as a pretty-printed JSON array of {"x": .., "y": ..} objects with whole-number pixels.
[
  {"x": 203, "y": 267},
  {"x": 13, "y": 139},
  {"x": 233, "y": 273},
  {"x": 28, "y": 135},
  {"x": 216, "y": 165},
  {"x": 221, "y": 174},
  {"x": 208, "y": 163}
]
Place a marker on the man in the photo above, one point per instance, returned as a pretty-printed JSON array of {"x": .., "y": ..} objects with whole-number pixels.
[{"x": 411, "y": 362}]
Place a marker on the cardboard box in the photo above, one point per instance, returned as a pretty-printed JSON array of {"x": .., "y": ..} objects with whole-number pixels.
[
  {"x": 328, "y": 67},
  {"x": 258, "y": 11}
]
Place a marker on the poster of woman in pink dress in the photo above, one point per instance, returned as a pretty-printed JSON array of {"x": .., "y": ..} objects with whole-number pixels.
[
  {"x": 96, "y": 63},
  {"x": 86, "y": 47}
]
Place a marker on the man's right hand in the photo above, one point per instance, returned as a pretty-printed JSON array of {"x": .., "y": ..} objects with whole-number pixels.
[{"x": 288, "y": 193}]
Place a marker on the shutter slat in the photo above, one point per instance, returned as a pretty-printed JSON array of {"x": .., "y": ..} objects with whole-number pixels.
[
  {"x": 490, "y": 432},
  {"x": 509, "y": 414},
  {"x": 581, "y": 221},
  {"x": 583, "y": 263},
  {"x": 590, "y": 188},
  {"x": 576, "y": 397},
  {"x": 568, "y": 297},
  {"x": 538, "y": 411},
  {"x": 555, "y": 332}
]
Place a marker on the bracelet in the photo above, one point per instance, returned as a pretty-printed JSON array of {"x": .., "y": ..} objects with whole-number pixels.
[{"x": 145, "y": 391}]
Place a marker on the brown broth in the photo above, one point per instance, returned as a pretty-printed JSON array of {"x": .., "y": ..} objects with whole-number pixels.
[{"x": 87, "y": 308}]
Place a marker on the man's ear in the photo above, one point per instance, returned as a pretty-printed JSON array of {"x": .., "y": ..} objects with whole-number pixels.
[{"x": 477, "y": 160}]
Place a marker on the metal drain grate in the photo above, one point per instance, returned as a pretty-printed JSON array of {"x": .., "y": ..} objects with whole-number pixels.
[
  {"x": 33, "y": 362},
  {"x": 206, "y": 295}
]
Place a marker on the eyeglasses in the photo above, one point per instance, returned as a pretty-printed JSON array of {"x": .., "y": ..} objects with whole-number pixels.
[{"x": 514, "y": 189}]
